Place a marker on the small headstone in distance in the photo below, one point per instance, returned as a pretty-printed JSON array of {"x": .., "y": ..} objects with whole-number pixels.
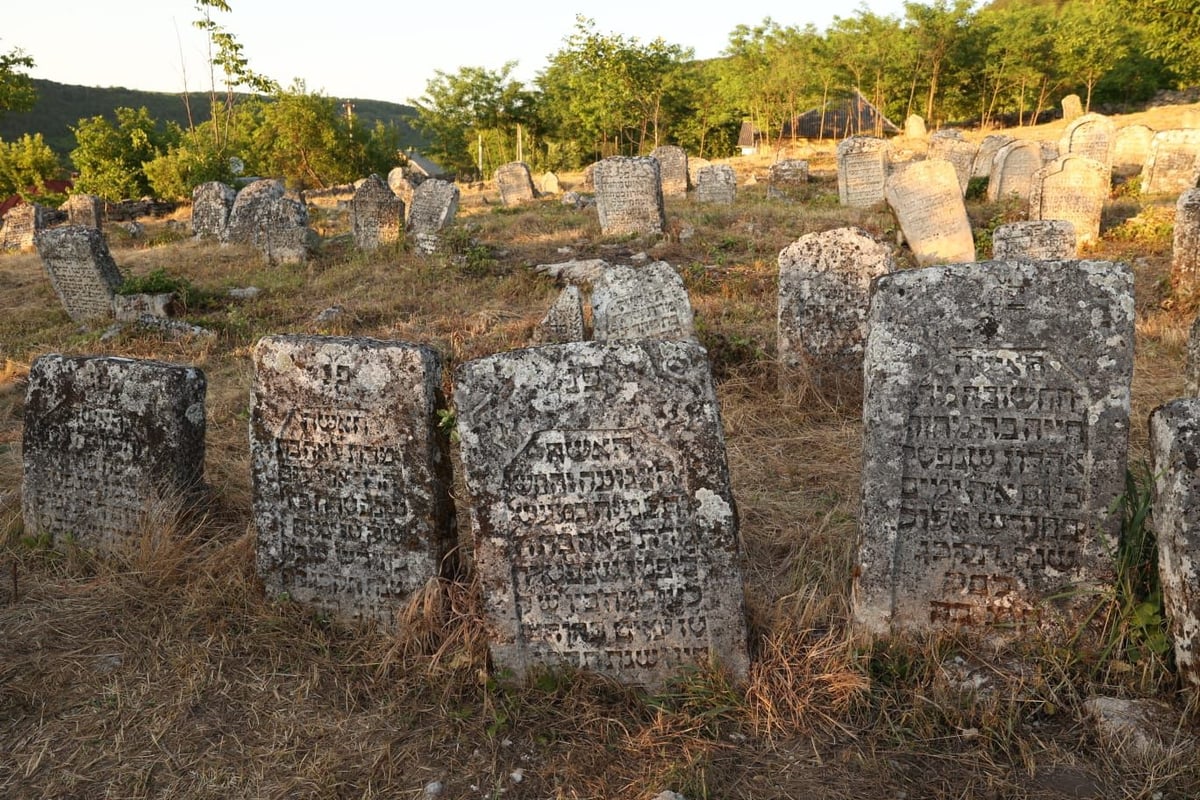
[
  {"x": 434, "y": 207},
  {"x": 21, "y": 225},
  {"x": 1072, "y": 108},
  {"x": 646, "y": 303},
  {"x": 1185, "y": 244},
  {"x": 1013, "y": 168},
  {"x": 376, "y": 215},
  {"x": 1092, "y": 136},
  {"x": 275, "y": 225},
  {"x": 673, "y": 169},
  {"x": 716, "y": 183},
  {"x": 84, "y": 210},
  {"x": 515, "y": 183},
  {"x": 862, "y": 170},
  {"x": 211, "y": 204},
  {"x": 82, "y": 271},
  {"x": 1073, "y": 188},
  {"x": 1131, "y": 148},
  {"x": 1170, "y": 166}
]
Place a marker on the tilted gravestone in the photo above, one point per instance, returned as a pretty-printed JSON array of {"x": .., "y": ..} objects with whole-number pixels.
[
  {"x": 1175, "y": 449},
  {"x": 629, "y": 196},
  {"x": 929, "y": 206},
  {"x": 403, "y": 186},
  {"x": 1072, "y": 108},
  {"x": 515, "y": 183},
  {"x": 1036, "y": 240},
  {"x": 996, "y": 424},
  {"x": 1170, "y": 166},
  {"x": 959, "y": 153},
  {"x": 82, "y": 271},
  {"x": 1131, "y": 147},
  {"x": 376, "y": 215},
  {"x": 786, "y": 179},
  {"x": 351, "y": 475},
  {"x": 1073, "y": 188},
  {"x": 564, "y": 321},
  {"x": 275, "y": 225},
  {"x": 862, "y": 171},
  {"x": 646, "y": 303},
  {"x": 22, "y": 223},
  {"x": 112, "y": 448},
  {"x": 673, "y": 169},
  {"x": 716, "y": 183},
  {"x": 1013, "y": 168},
  {"x": 824, "y": 284},
  {"x": 1185, "y": 245},
  {"x": 1092, "y": 136},
  {"x": 981, "y": 167},
  {"x": 211, "y": 204},
  {"x": 434, "y": 206},
  {"x": 84, "y": 210},
  {"x": 605, "y": 535}
]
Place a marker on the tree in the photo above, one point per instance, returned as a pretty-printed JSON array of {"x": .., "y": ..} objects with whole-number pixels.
[
  {"x": 111, "y": 158},
  {"x": 937, "y": 31},
  {"x": 1173, "y": 32},
  {"x": 26, "y": 165},
  {"x": 1090, "y": 42},
  {"x": 16, "y": 89}
]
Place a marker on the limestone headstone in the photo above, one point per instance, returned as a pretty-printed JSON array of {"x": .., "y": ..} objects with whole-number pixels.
[
  {"x": 981, "y": 167},
  {"x": 694, "y": 167},
  {"x": 515, "y": 183},
  {"x": 862, "y": 171},
  {"x": 716, "y": 184},
  {"x": 110, "y": 445},
  {"x": 959, "y": 153},
  {"x": 550, "y": 184},
  {"x": 403, "y": 186},
  {"x": 1013, "y": 168},
  {"x": 1072, "y": 108},
  {"x": 996, "y": 423},
  {"x": 1049, "y": 151},
  {"x": 646, "y": 303},
  {"x": 629, "y": 196},
  {"x": 85, "y": 210},
  {"x": 1073, "y": 188},
  {"x": 1175, "y": 448},
  {"x": 914, "y": 126},
  {"x": 787, "y": 178},
  {"x": 1131, "y": 147},
  {"x": 824, "y": 284},
  {"x": 1192, "y": 371},
  {"x": 351, "y": 475},
  {"x": 1171, "y": 165},
  {"x": 434, "y": 206},
  {"x": 1036, "y": 240},
  {"x": 1185, "y": 246},
  {"x": 21, "y": 224},
  {"x": 376, "y": 215},
  {"x": 275, "y": 225},
  {"x": 605, "y": 535},
  {"x": 928, "y": 203},
  {"x": 564, "y": 321},
  {"x": 673, "y": 169},
  {"x": 82, "y": 271},
  {"x": 211, "y": 204},
  {"x": 1092, "y": 136}
]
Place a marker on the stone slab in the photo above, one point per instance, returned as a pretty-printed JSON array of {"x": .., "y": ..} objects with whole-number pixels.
[
  {"x": 928, "y": 203},
  {"x": 82, "y": 271},
  {"x": 646, "y": 303}
]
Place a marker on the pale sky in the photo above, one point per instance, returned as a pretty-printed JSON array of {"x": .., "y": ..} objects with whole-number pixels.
[{"x": 364, "y": 48}]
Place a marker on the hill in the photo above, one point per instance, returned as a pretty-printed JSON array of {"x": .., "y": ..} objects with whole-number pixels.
[{"x": 60, "y": 106}]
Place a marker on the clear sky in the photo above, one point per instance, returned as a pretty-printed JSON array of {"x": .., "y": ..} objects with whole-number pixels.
[{"x": 360, "y": 48}]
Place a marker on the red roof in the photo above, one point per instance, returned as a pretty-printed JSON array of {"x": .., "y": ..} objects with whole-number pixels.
[{"x": 57, "y": 187}]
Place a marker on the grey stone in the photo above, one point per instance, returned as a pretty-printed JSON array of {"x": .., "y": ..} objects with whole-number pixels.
[
  {"x": 646, "y": 303},
  {"x": 82, "y": 271},
  {"x": 716, "y": 184},
  {"x": 605, "y": 535},
  {"x": 694, "y": 167},
  {"x": 21, "y": 225},
  {"x": 862, "y": 171},
  {"x": 928, "y": 204},
  {"x": 786, "y": 179},
  {"x": 130, "y": 307},
  {"x": 211, "y": 205},
  {"x": 1092, "y": 136},
  {"x": 1140, "y": 731},
  {"x": 403, "y": 186},
  {"x": 1170, "y": 166},
  {"x": 112, "y": 448},
  {"x": 1013, "y": 168},
  {"x": 629, "y": 196},
  {"x": 549, "y": 184},
  {"x": 982, "y": 166},
  {"x": 914, "y": 127},
  {"x": 85, "y": 210},
  {"x": 564, "y": 321},
  {"x": 673, "y": 169},
  {"x": 1131, "y": 147},
  {"x": 434, "y": 207},
  {"x": 1073, "y": 188},
  {"x": 1185, "y": 244},
  {"x": 515, "y": 183},
  {"x": 1036, "y": 240},
  {"x": 351, "y": 475},
  {"x": 959, "y": 153},
  {"x": 1072, "y": 108},
  {"x": 578, "y": 272},
  {"x": 275, "y": 225},
  {"x": 996, "y": 423},
  {"x": 376, "y": 215}
]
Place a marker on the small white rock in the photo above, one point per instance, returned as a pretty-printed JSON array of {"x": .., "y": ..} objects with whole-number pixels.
[
  {"x": 434, "y": 788},
  {"x": 517, "y": 775}
]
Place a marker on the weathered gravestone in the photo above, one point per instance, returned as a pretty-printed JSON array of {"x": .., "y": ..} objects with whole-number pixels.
[
  {"x": 604, "y": 528},
  {"x": 673, "y": 169},
  {"x": 376, "y": 215},
  {"x": 549, "y": 184},
  {"x": 824, "y": 285},
  {"x": 1034, "y": 240},
  {"x": 1171, "y": 164},
  {"x": 515, "y": 183},
  {"x": 434, "y": 206},
  {"x": 646, "y": 303},
  {"x": 929, "y": 206},
  {"x": 629, "y": 196},
  {"x": 694, "y": 167},
  {"x": 914, "y": 126},
  {"x": 862, "y": 171},
  {"x": 1049, "y": 151},
  {"x": 351, "y": 476},
  {"x": 1131, "y": 148},
  {"x": 1175, "y": 449},
  {"x": 110, "y": 446},
  {"x": 403, "y": 186},
  {"x": 275, "y": 225},
  {"x": 211, "y": 204},
  {"x": 564, "y": 321},
  {"x": 981, "y": 167},
  {"x": 1073, "y": 188},
  {"x": 1092, "y": 136},
  {"x": 1072, "y": 108},
  {"x": 1185, "y": 246},
  {"x": 786, "y": 179},
  {"x": 21, "y": 224},
  {"x": 84, "y": 210},
  {"x": 996, "y": 423},
  {"x": 82, "y": 271},
  {"x": 1013, "y": 168},
  {"x": 959, "y": 153},
  {"x": 716, "y": 184},
  {"x": 1192, "y": 370}
]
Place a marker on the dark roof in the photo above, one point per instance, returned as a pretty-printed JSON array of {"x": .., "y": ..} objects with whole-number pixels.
[{"x": 845, "y": 116}]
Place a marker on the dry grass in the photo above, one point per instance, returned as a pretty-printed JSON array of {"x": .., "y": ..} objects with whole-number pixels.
[{"x": 167, "y": 673}]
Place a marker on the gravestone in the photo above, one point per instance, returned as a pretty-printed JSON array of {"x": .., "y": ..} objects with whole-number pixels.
[
  {"x": 1013, "y": 168},
  {"x": 914, "y": 126},
  {"x": 605, "y": 535},
  {"x": 928, "y": 204},
  {"x": 351, "y": 475},
  {"x": 1192, "y": 370},
  {"x": 1185, "y": 245},
  {"x": 21, "y": 224},
  {"x": 403, "y": 186},
  {"x": 85, "y": 210},
  {"x": 1073, "y": 188},
  {"x": 1175, "y": 450},
  {"x": 716, "y": 184},
  {"x": 1092, "y": 136},
  {"x": 673, "y": 169},
  {"x": 694, "y": 167},
  {"x": 1131, "y": 148},
  {"x": 549, "y": 184},
  {"x": 82, "y": 271},
  {"x": 109, "y": 445},
  {"x": 646, "y": 303},
  {"x": 959, "y": 153},
  {"x": 515, "y": 183},
  {"x": 981, "y": 167},
  {"x": 949, "y": 133},
  {"x": 862, "y": 171},
  {"x": 211, "y": 204},
  {"x": 1170, "y": 167},
  {"x": 996, "y": 422},
  {"x": 629, "y": 196},
  {"x": 1049, "y": 151},
  {"x": 275, "y": 225},
  {"x": 1072, "y": 108},
  {"x": 376, "y": 215},
  {"x": 434, "y": 206},
  {"x": 1034, "y": 240},
  {"x": 786, "y": 179},
  {"x": 824, "y": 285},
  {"x": 564, "y": 321}
]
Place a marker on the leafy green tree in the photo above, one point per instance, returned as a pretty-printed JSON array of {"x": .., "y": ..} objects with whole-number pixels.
[
  {"x": 110, "y": 158},
  {"x": 1173, "y": 32},
  {"x": 937, "y": 32},
  {"x": 875, "y": 56},
  {"x": 26, "y": 165},
  {"x": 1090, "y": 42},
  {"x": 16, "y": 89}
]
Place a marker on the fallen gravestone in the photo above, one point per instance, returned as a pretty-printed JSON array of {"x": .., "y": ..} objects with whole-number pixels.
[
  {"x": 515, "y": 183},
  {"x": 113, "y": 449},
  {"x": 84, "y": 210},
  {"x": 996, "y": 424},
  {"x": 1034, "y": 240},
  {"x": 673, "y": 169},
  {"x": 862, "y": 171},
  {"x": 928, "y": 203},
  {"x": 351, "y": 475},
  {"x": 1185, "y": 245},
  {"x": 1092, "y": 136},
  {"x": 605, "y": 536},
  {"x": 376, "y": 215},
  {"x": 1073, "y": 188},
  {"x": 275, "y": 225},
  {"x": 1013, "y": 168},
  {"x": 82, "y": 271},
  {"x": 716, "y": 183},
  {"x": 564, "y": 321},
  {"x": 646, "y": 303},
  {"x": 629, "y": 196},
  {"x": 434, "y": 206},
  {"x": 1170, "y": 167},
  {"x": 211, "y": 204}
]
